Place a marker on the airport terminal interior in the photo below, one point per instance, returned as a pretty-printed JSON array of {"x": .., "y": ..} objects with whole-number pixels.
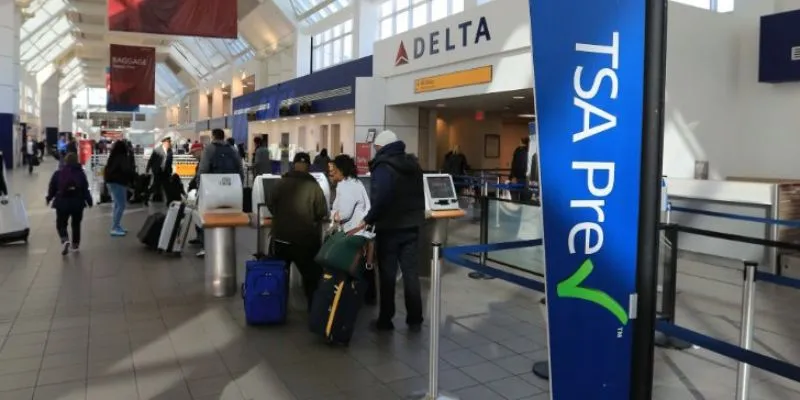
[{"x": 116, "y": 320}]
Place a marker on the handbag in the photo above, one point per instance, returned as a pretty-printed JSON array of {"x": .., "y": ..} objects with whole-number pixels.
[{"x": 344, "y": 252}]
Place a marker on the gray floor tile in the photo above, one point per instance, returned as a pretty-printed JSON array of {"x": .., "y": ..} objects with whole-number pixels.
[
  {"x": 71, "y": 373},
  {"x": 463, "y": 358},
  {"x": 62, "y": 391},
  {"x": 517, "y": 364},
  {"x": 514, "y": 388},
  {"x": 478, "y": 393},
  {"x": 393, "y": 371},
  {"x": 16, "y": 381},
  {"x": 21, "y": 394},
  {"x": 485, "y": 372}
]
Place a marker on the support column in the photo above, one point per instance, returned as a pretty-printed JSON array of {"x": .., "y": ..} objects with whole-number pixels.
[
  {"x": 66, "y": 116},
  {"x": 203, "y": 106},
  {"x": 365, "y": 32},
  {"x": 10, "y": 137},
  {"x": 217, "y": 106},
  {"x": 50, "y": 106}
]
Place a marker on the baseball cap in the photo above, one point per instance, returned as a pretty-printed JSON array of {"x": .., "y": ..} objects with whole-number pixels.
[
  {"x": 385, "y": 137},
  {"x": 166, "y": 139},
  {"x": 302, "y": 158}
]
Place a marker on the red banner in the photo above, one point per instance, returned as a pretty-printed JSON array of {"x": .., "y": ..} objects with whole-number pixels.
[
  {"x": 208, "y": 18},
  {"x": 132, "y": 79},
  {"x": 363, "y": 155}
]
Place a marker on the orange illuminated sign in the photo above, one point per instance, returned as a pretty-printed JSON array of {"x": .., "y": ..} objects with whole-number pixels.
[{"x": 468, "y": 77}]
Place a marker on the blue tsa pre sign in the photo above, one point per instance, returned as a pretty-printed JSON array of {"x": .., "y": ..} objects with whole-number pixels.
[{"x": 588, "y": 62}]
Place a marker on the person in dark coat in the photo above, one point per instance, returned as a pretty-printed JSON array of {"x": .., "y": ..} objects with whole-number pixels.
[
  {"x": 519, "y": 171},
  {"x": 397, "y": 214},
  {"x": 118, "y": 175},
  {"x": 455, "y": 164},
  {"x": 321, "y": 161},
  {"x": 298, "y": 208},
  {"x": 69, "y": 195},
  {"x": 160, "y": 164}
]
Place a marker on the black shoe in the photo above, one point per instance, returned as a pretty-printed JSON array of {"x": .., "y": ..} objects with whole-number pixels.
[
  {"x": 196, "y": 242},
  {"x": 65, "y": 248},
  {"x": 414, "y": 328},
  {"x": 381, "y": 326}
]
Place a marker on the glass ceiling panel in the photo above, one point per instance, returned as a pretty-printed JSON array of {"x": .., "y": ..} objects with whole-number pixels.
[
  {"x": 188, "y": 60},
  {"x": 168, "y": 81},
  {"x": 46, "y": 45},
  {"x": 303, "y": 6},
  {"x": 236, "y": 46},
  {"x": 43, "y": 11},
  {"x": 205, "y": 49}
]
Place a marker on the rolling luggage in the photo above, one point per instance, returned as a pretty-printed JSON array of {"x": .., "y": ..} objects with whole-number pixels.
[
  {"x": 151, "y": 230},
  {"x": 334, "y": 310},
  {"x": 175, "y": 229},
  {"x": 141, "y": 189},
  {"x": 265, "y": 290},
  {"x": 14, "y": 225}
]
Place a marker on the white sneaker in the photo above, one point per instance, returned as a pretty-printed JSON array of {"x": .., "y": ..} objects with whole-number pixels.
[{"x": 201, "y": 254}]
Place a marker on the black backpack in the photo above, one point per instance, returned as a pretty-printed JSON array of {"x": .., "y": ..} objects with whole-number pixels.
[{"x": 224, "y": 161}]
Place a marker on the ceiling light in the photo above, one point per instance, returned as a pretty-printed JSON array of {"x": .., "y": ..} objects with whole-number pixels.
[
  {"x": 330, "y": 114},
  {"x": 519, "y": 97},
  {"x": 526, "y": 116},
  {"x": 350, "y": 111},
  {"x": 263, "y": 122},
  {"x": 284, "y": 119},
  {"x": 313, "y": 116},
  {"x": 297, "y": 118},
  {"x": 441, "y": 105}
]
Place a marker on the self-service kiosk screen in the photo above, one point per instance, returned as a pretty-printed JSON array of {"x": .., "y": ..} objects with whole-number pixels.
[
  {"x": 441, "y": 187},
  {"x": 268, "y": 184}
]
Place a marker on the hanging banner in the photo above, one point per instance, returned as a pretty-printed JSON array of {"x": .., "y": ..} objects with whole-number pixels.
[
  {"x": 207, "y": 18},
  {"x": 363, "y": 155},
  {"x": 132, "y": 79},
  {"x": 589, "y": 60}
]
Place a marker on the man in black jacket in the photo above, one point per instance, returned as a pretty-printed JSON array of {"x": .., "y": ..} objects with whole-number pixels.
[
  {"x": 519, "y": 171},
  {"x": 397, "y": 212},
  {"x": 160, "y": 163},
  {"x": 298, "y": 208}
]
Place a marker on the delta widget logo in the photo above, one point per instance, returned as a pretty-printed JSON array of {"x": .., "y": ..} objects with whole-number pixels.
[
  {"x": 402, "y": 55},
  {"x": 571, "y": 288}
]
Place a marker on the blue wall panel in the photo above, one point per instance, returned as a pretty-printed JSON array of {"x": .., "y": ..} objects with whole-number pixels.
[
  {"x": 328, "y": 79},
  {"x": 7, "y": 139},
  {"x": 779, "y": 34}
]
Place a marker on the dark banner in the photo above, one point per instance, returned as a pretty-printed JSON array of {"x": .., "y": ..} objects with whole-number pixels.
[
  {"x": 132, "y": 79},
  {"x": 208, "y": 18}
]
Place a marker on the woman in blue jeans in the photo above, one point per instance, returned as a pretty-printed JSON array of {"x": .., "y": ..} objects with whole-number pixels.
[{"x": 118, "y": 175}]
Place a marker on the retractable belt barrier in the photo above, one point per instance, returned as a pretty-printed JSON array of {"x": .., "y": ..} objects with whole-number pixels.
[{"x": 769, "y": 221}]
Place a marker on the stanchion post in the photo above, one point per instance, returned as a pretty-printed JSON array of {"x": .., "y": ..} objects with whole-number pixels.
[
  {"x": 435, "y": 300},
  {"x": 746, "y": 335},
  {"x": 669, "y": 282},
  {"x": 484, "y": 230},
  {"x": 497, "y": 209}
]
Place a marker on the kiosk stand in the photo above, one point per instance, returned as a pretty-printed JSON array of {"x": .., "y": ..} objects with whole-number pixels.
[
  {"x": 219, "y": 209},
  {"x": 441, "y": 206}
]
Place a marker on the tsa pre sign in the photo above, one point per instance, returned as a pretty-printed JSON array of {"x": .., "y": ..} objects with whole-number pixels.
[{"x": 589, "y": 61}]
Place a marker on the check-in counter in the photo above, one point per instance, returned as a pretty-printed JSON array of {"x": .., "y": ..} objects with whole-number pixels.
[{"x": 761, "y": 198}]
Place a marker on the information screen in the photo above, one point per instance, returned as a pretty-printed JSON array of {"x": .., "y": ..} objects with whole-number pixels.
[{"x": 441, "y": 187}]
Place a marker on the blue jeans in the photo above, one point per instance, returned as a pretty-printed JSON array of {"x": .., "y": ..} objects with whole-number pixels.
[{"x": 119, "y": 195}]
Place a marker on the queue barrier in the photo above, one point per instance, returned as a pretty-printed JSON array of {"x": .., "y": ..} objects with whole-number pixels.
[
  {"x": 748, "y": 218},
  {"x": 456, "y": 255}
]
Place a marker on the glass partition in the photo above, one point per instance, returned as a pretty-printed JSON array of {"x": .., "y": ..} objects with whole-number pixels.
[{"x": 509, "y": 222}]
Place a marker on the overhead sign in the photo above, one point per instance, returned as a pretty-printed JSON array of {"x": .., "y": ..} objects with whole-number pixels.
[
  {"x": 132, "y": 77},
  {"x": 589, "y": 79},
  {"x": 209, "y": 18},
  {"x": 475, "y": 76},
  {"x": 493, "y": 28}
]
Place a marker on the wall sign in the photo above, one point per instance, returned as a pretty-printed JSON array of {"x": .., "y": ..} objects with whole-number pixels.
[
  {"x": 469, "y": 77},
  {"x": 589, "y": 60},
  {"x": 363, "y": 155},
  {"x": 497, "y": 27}
]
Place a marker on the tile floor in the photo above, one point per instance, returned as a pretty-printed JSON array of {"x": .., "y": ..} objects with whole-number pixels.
[{"x": 118, "y": 322}]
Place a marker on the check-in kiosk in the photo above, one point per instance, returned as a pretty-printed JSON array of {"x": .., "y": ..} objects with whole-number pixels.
[
  {"x": 219, "y": 208},
  {"x": 441, "y": 205}
]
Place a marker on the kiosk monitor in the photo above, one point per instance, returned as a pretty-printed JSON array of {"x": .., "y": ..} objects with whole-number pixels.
[
  {"x": 440, "y": 193},
  {"x": 261, "y": 188}
]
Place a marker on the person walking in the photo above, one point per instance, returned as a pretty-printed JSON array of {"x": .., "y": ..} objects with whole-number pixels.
[
  {"x": 30, "y": 154},
  {"x": 261, "y": 161},
  {"x": 160, "y": 164},
  {"x": 118, "y": 176},
  {"x": 397, "y": 214},
  {"x": 519, "y": 171},
  {"x": 68, "y": 193},
  {"x": 298, "y": 208},
  {"x": 321, "y": 161}
]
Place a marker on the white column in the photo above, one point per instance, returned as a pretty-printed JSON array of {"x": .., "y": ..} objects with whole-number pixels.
[
  {"x": 302, "y": 55},
  {"x": 203, "y": 107},
  {"x": 10, "y": 21},
  {"x": 365, "y": 23},
  {"x": 66, "y": 116},
  {"x": 50, "y": 105},
  {"x": 217, "y": 106}
]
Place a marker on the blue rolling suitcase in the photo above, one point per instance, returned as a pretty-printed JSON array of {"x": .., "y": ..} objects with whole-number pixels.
[{"x": 266, "y": 287}]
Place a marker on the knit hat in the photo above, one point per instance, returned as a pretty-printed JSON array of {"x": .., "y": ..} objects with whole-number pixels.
[{"x": 385, "y": 137}]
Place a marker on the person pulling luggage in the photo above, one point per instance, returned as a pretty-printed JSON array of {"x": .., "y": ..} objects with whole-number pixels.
[{"x": 298, "y": 208}]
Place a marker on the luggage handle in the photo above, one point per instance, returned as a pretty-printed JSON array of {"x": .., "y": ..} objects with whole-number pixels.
[{"x": 260, "y": 252}]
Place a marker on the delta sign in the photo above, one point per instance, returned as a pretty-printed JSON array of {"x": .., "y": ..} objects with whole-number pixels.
[{"x": 462, "y": 35}]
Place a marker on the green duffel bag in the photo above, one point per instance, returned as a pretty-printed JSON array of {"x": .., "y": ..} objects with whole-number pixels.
[{"x": 341, "y": 252}]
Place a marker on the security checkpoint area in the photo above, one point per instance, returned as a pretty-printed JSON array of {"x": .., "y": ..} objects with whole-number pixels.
[{"x": 628, "y": 259}]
